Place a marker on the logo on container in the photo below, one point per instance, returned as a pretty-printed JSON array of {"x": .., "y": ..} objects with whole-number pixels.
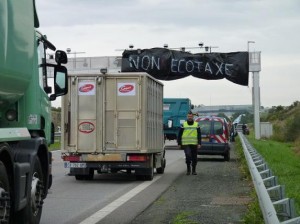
[
  {"x": 86, "y": 127},
  {"x": 86, "y": 88},
  {"x": 126, "y": 88}
]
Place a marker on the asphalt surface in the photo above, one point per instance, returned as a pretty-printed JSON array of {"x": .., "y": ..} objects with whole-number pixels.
[
  {"x": 218, "y": 194},
  {"x": 70, "y": 201}
]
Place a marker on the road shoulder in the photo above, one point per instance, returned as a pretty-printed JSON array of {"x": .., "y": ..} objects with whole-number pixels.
[{"x": 218, "y": 194}]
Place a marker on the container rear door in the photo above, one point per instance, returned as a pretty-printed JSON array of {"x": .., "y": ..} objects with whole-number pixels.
[
  {"x": 122, "y": 113},
  {"x": 85, "y": 130}
]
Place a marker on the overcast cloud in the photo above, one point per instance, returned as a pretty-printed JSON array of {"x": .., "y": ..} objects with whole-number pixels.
[{"x": 99, "y": 27}]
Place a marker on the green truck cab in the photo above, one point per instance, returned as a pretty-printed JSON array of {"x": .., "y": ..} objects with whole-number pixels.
[{"x": 26, "y": 129}]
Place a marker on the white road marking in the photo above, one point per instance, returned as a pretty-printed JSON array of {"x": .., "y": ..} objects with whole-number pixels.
[{"x": 99, "y": 215}]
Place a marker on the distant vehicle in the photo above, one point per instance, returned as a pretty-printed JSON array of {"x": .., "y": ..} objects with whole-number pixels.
[
  {"x": 215, "y": 136},
  {"x": 243, "y": 128},
  {"x": 174, "y": 114}
]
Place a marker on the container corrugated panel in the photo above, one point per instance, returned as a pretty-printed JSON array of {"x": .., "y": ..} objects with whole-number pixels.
[{"x": 113, "y": 113}]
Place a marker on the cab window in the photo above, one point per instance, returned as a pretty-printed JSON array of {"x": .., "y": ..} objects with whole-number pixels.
[
  {"x": 218, "y": 128},
  {"x": 205, "y": 127},
  {"x": 41, "y": 63}
]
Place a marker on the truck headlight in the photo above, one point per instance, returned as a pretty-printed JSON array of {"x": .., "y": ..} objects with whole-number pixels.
[{"x": 11, "y": 115}]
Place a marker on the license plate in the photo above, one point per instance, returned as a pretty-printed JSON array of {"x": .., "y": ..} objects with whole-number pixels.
[
  {"x": 75, "y": 165},
  {"x": 205, "y": 139}
]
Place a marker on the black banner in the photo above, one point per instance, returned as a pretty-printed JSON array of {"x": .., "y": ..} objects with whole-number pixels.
[{"x": 165, "y": 64}]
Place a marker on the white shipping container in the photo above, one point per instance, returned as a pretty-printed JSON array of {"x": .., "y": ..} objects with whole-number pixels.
[
  {"x": 106, "y": 118},
  {"x": 112, "y": 113}
]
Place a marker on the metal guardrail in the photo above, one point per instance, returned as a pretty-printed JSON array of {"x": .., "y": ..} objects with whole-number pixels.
[{"x": 274, "y": 206}]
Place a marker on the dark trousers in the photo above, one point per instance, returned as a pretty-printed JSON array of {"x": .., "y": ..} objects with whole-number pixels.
[{"x": 190, "y": 154}]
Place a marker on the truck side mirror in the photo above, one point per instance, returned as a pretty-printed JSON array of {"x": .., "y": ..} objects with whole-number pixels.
[
  {"x": 61, "y": 57},
  {"x": 60, "y": 82},
  {"x": 192, "y": 106}
]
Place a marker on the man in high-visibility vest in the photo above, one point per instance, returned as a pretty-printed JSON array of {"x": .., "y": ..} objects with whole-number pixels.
[{"x": 189, "y": 139}]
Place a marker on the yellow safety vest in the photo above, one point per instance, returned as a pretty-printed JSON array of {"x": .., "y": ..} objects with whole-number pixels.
[{"x": 189, "y": 135}]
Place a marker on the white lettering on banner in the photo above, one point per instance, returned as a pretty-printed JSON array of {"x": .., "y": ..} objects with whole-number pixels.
[
  {"x": 191, "y": 66},
  {"x": 182, "y": 60},
  {"x": 208, "y": 68},
  {"x": 182, "y": 65},
  {"x": 145, "y": 61},
  {"x": 146, "y": 65},
  {"x": 134, "y": 63},
  {"x": 173, "y": 65},
  {"x": 156, "y": 64},
  {"x": 227, "y": 70},
  {"x": 219, "y": 68}
]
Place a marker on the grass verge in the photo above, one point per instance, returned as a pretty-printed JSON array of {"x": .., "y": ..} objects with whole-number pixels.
[
  {"x": 284, "y": 163},
  {"x": 55, "y": 146}
]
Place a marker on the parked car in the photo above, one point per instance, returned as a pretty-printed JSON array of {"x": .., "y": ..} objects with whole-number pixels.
[{"x": 215, "y": 136}]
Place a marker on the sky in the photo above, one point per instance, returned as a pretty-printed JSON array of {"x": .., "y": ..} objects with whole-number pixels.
[{"x": 101, "y": 27}]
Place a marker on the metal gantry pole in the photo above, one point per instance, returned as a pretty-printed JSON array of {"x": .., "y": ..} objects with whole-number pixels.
[
  {"x": 256, "y": 104},
  {"x": 255, "y": 67}
]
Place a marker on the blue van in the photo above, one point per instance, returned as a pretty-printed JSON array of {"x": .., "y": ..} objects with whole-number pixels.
[
  {"x": 214, "y": 136},
  {"x": 174, "y": 114}
]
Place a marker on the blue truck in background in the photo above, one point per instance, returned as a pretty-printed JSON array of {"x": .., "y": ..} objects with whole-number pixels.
[{"x": 174, "y": 114}]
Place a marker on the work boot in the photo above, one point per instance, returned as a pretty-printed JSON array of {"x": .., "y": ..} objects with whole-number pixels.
[
  {"x": 194, "y": 170},
  {"x": 188, "y": 172}
]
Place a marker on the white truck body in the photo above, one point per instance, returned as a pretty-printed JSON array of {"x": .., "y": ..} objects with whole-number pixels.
[{"x": 113, "y": 122}]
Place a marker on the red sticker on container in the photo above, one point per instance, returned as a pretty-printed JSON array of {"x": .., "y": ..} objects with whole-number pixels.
[
  {"x": 86, "y": 88},
  {"x": 86, "y": 127},
  {"x": 126, "y": 88}
]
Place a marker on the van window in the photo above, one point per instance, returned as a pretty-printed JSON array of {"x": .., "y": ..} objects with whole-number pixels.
[
  {"x": 205, "y": 127},
  {"x": 218, "y": 127}
]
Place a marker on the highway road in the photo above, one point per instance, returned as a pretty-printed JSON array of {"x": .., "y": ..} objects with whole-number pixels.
[{"x": 108, "y": 196}]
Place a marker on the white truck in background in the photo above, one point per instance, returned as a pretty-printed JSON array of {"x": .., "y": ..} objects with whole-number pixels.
[{"x": 113, "y": 122}]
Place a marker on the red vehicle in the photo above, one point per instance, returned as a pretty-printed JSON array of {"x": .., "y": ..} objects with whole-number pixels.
[{"x": 215, "y": 136}]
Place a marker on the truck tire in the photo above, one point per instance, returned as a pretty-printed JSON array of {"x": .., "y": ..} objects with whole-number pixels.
[
  {"x": 5, "y": 203},
  {"x": 33, "y": 210},
  {"x": 89, "y": 176},
  {"x": 161, "y": 169},
  {"x": 150, "y": 175}
]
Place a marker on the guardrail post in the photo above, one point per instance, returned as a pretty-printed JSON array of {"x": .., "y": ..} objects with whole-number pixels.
[
  {"x": 285, "y": 208},
  {"x": 266, "y": 173},
  {"x": 270, "y": 181},
  {"x": 276, "y": 193}
]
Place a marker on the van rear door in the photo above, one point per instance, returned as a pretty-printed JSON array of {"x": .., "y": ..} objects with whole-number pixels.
[
  {"x": 218, "y": 134},
  {"x": 206, "y": 127}
]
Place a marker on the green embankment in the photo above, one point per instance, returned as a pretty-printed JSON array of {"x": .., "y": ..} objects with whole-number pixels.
[{"x": 284, "y": 161}]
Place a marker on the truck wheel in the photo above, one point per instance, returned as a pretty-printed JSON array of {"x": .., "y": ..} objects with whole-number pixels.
[
  {"x": 79, "y": 177},
  {"x": 151, "y": 175},
  {"x": 33, "y": 210},
  {"x": 161, "y": 169},
  {"x": 89, "y": 176},
  {"x": 142, "y": 176},
  {"x": 5, "y": 203}
]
